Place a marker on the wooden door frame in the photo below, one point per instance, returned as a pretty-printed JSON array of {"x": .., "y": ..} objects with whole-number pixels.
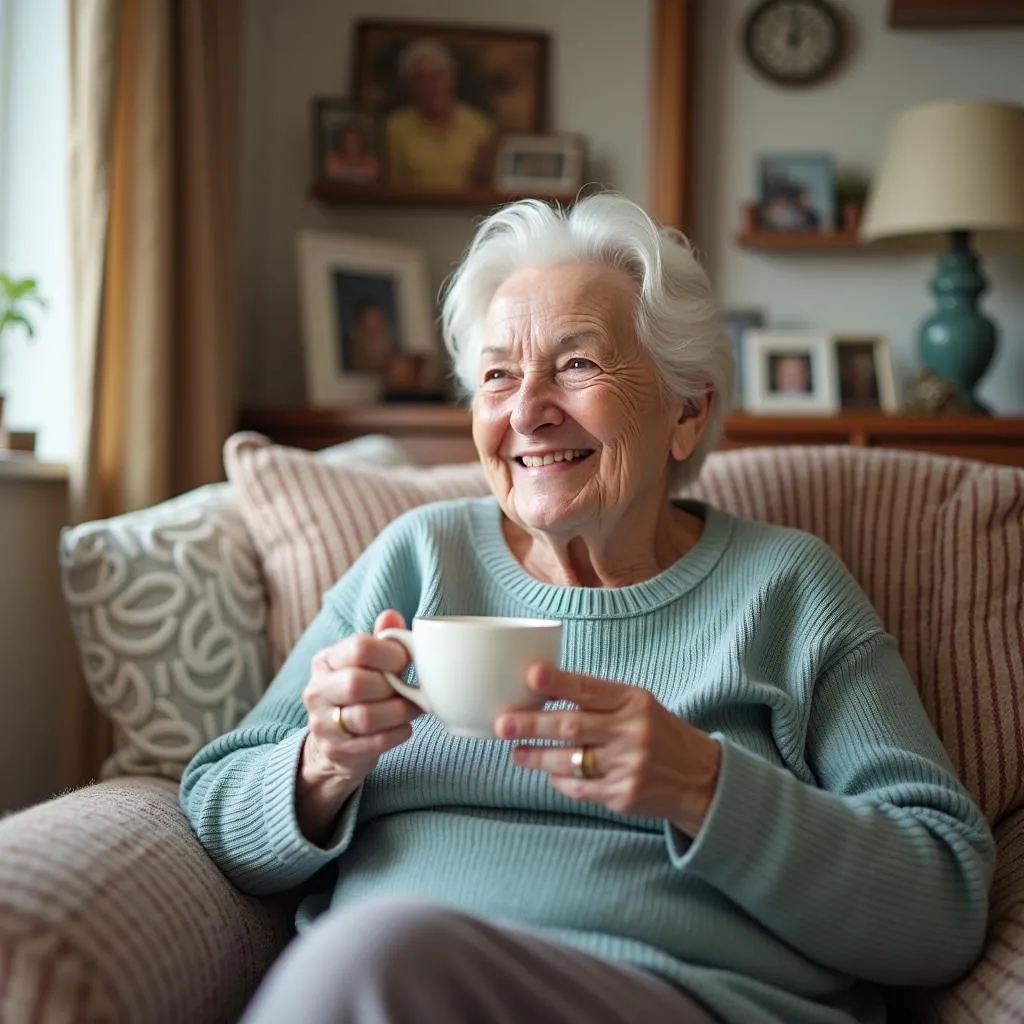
[{"x": 672, "y": 108}]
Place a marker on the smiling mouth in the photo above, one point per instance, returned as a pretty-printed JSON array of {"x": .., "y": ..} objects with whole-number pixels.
[{"x": 552, "y": 458}]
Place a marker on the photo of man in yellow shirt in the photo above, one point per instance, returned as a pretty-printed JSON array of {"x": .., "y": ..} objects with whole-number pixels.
[
  {"x": 444, "y": 95},
  {"x": 436, "y": 142}
]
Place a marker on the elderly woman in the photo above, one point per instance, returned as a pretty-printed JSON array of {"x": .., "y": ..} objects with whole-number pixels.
[{"x": 732, "y": 807}]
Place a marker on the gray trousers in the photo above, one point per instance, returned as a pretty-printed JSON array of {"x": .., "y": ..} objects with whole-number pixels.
[{"x": 403, "y": 961}]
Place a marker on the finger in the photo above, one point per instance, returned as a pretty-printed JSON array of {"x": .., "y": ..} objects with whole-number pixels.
[
  {"x": 558, "y": 761},
  {"x": 389, "y": 619},
  {"x": 347, "y": 686},
  {"x": 380, "y": 716},
  {"x": 586, "y": 691},
  {"x": 343, "y": 746},
  {"x": 572, "y": 727},
  {"x": 360, "y": 650}
]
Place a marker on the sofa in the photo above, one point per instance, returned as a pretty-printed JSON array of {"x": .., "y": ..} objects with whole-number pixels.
[{"x": 111, "y": 912}]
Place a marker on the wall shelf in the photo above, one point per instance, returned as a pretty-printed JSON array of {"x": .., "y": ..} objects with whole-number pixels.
[
  {"x": 800, "y": 241},
  {"x": 441, "y": 433},
  {"x": 339, "y": 193}
]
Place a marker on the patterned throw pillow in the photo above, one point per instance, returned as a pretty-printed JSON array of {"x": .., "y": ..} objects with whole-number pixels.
[
  {"x": 310, "y": 521},
  {"x": 169, "y": 611}
]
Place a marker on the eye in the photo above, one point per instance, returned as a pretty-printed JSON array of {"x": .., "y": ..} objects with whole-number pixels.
[
  {"x": 490, "y": 375},
  {"x": 579, "y": 363}
]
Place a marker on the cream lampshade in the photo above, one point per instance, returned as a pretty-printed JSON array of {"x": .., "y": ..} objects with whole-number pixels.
[
  {"x": 948, "y": 167},
  {"x": 955, "y": 171}
]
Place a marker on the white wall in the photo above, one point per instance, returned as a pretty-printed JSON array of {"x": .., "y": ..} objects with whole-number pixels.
[
  {"x": 598, "y": 86},
  {"x": 741, "y": 116},
  {"x": 36, "y": 377}
]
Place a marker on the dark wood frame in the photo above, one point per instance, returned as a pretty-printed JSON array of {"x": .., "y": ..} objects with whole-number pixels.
[
  {"x": 963, "y": 14},
  {"x": 317, "y": 107},
  {"x": 441, "y": 28},
  {"x": 673, "y": 107}
]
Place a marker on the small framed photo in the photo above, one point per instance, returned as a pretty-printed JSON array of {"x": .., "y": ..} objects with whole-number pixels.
[
  {"x": 540, "y": 163},
  {"x": 866, "y": 376},
  {"x": 790, "y": 372},
  {"x": 736, "y": 323},
  {"x": 347, "y": 142},
  {"x": 365, "y": 306},
  {"x": 797, "y": 192}
]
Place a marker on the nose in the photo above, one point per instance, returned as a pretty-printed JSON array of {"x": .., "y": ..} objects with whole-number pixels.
[{"x": 535, "y": 407}]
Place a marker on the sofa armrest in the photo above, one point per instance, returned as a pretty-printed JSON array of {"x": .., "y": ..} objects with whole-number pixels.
[
  {"x": 993, "y": 992},
  {"x": 111, "y": 911}
]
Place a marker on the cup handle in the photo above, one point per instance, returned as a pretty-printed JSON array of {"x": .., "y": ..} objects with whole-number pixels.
[{"x": 413, "y": 693}]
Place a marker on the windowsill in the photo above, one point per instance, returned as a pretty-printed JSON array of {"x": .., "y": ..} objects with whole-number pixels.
[{"x": 21, "y": 466}]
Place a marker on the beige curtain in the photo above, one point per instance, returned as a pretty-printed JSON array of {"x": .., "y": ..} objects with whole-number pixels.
[{"x": 154, "y": 107}]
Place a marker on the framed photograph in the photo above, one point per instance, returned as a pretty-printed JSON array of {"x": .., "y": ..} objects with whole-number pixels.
[
  {"x": 797, "y": 192},
  {"x": 736, "y": 323},
  {"x": 866, "y": 376},
  {"x": 479, "y": 83},
  {"x": 540, "y": 163},
  {"x": 790, "y": 372},
  {"x": 365, "y": 306},
  {"x": 347, "y": 142}
]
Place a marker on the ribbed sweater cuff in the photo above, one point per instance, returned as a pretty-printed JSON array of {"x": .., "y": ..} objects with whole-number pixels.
[
  {"x": 295, "y": 852},
  {"x": 726, "y": 846}
]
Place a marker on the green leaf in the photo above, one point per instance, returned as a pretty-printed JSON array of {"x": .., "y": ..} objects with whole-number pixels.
[{"x": 25, "y": 287}]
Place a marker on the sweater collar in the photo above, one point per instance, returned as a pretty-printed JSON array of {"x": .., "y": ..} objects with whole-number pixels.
[{"x": 565, "y": 602}]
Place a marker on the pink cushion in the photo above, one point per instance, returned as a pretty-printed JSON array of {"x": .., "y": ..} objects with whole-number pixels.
[
  {"x": 938, "y": 545},
  {"x": 310, "y": 520}
]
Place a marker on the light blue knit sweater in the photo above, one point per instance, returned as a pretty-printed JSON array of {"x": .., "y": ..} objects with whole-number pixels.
[{"x": 839, "y": 853}]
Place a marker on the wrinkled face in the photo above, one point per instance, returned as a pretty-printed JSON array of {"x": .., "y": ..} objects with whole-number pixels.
[{"x": 568, "y": 417}]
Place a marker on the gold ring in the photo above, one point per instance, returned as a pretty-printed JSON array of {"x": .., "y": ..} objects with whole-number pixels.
[
  {"x": 336, "y": 719},
  {"x": 582, "y": 761}
]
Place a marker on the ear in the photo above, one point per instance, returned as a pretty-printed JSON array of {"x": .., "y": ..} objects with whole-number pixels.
[{"x": 689, "y": 429}]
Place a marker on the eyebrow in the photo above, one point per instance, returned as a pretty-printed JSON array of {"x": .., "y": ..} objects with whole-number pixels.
[{"x": 563, "y": 339}]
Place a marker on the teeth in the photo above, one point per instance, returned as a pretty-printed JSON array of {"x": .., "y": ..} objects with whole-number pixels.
[{"x": 536, "y": 461}]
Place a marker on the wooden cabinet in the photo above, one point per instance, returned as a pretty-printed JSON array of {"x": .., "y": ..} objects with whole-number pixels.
[
  {"x": 433, "y": 433},
  {"x": 954, "y": 13}
]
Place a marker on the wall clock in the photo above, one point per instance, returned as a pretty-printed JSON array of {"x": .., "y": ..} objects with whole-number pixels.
[{"x": 793, "y": 42}]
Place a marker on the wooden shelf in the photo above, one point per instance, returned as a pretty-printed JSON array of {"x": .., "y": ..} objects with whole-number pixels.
[
  {"x": 799, "y": 241},
  {"x": 441, "y": 433},
  {"x": 339, "y": 193}
]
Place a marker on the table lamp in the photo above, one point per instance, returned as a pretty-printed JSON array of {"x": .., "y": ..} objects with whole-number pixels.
[{"x": 953, "y": 172}]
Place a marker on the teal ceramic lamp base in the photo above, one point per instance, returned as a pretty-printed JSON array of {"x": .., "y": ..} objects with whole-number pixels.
[{"x": 957, "y": 342}]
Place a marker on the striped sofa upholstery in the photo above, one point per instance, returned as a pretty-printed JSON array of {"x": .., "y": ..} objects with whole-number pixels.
[{"x": 110, "y": 912}]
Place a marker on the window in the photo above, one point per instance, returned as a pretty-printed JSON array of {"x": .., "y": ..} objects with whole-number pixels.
[{"x": 34, "y": 237}]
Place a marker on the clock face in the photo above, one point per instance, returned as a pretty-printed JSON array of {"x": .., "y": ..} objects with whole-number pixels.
[{"x": 793, "y": 42}]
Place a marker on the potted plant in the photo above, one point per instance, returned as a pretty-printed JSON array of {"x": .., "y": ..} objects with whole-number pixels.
[{"x": 15, "y": 296}]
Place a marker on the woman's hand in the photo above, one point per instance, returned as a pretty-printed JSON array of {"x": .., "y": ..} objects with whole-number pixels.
[
  {"x": 645, "y": 760},
  {"x": 354, "y": 717}
]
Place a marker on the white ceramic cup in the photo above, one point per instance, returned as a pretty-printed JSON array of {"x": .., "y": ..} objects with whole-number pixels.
[{"x": 472, "y": 668}]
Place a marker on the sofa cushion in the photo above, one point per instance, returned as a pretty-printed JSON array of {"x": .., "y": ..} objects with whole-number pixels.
[
  {"x": 311, "y": 521},
  {"x": 169, "y": 612},
  {"x": 938, "y": 545}
]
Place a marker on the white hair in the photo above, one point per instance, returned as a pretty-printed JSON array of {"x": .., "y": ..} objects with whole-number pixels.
[
  {"x": 424, "y": 48},
  {"x": 676, "y": 318}
]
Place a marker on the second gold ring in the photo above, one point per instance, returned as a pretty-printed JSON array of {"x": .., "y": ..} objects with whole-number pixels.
[{"x": 582, "y": 761}]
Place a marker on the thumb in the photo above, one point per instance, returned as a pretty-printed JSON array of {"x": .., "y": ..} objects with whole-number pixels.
[{"x": 389, "y": 619}]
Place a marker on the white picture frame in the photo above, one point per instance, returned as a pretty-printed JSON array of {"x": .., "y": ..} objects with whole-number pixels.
[
  {"x": 557, "y": 164},
  {"x": 857, "y": 391},
  {"x": 340, "y": 368},
  {"x": 790, "y": 371}
]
